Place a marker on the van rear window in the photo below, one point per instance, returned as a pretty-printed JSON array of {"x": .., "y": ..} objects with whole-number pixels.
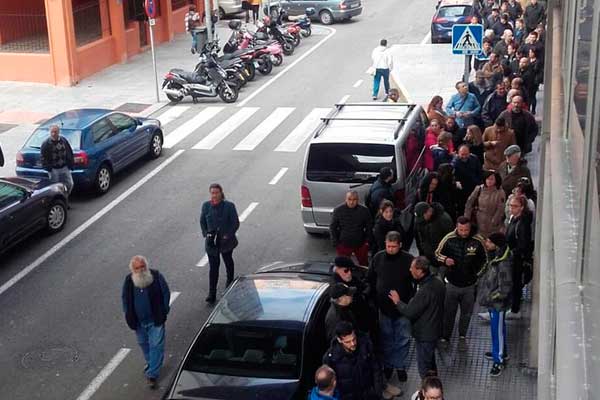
[{"x": 348, "y": 162}]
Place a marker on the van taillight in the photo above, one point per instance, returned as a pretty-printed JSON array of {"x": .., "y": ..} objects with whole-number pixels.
[
  {"x": 20, "y": 159},
  {"x": 399, "y": 199},
  {"x": 306, "y": 200},
  {"x": 81, "y": 159}
]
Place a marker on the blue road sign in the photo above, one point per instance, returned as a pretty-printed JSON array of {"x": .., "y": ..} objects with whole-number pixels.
[{"x": 467, "y": 39}]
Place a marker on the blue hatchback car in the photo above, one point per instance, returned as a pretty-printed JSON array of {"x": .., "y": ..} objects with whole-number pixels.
[
  {"x": 448, "y": 13},
  {"x": 103, "y": 141}
]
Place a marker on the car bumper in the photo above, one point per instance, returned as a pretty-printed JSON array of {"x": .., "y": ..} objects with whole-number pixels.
[
  {"x": 441, "y": 34},
  {"x": 342, "y": 14},
  {"x": 232, "y": 8},
  {"x": 81, "y": 177},
  {"x": 309, "y": 223}
]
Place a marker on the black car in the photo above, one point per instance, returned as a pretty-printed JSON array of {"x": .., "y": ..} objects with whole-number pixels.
[
  {"x": 263, "y": 341},
  {"x": 28, "y": 205}
]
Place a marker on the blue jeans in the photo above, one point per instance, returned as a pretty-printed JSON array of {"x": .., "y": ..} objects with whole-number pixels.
[
  {"x": 195, "y": 40},
  {"x": 62, "y": 175},
  {"x": 395, "y": 341},
  {"x": 381, "y": 73},
  {"x": 151, "y": 339},
  {"x": 498, "y": 327},
  {"x": 425, "y": 357}
]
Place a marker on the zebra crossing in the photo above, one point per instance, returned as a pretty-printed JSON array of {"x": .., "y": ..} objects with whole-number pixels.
[{"x": 259, "y": 125}]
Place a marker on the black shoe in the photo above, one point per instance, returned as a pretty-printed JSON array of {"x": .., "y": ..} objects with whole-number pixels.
[
  {"x": 402, "y": 377},
  {"x": 497, "y": 369},
  {"x": 488, "y": 355},
  {"x": 151, "y": 383},
  {"x": 388, "y": 372},
  {"x": 211, "y": 298},
  {"x": 193, "y": 50}
]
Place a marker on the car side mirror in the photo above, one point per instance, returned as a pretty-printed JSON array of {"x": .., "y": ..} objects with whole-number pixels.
[{"x": 138, "y": 122}]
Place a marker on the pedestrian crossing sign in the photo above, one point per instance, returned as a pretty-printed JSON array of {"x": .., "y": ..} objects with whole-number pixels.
[{"x": 467, "y": 39}]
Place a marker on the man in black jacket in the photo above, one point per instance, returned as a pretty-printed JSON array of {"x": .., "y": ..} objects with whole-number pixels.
[
  {"x": 146, "y": 298},
  {"x": 381, "y": 190},
  {"x": 463, "y": 255},
  {"x": 522, "y": 122},
  {"x": 390, "y": 270},
  {"x": 352, "y": 357},
  {"x": 533, "y": 15},
  {"x": 350, "y": 228},
  {"x": 432, "y": 223},
  {"x": 57, "y": 158},
  {"x": 494, "y": 105},
  {"x": 468, "y": 173},
  {"x": 339, "y": 309},
  {"x": 425, "y": 311}
]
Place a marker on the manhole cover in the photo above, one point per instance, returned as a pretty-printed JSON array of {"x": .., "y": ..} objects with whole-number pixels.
[
  {"x": 6, "y": 127},
  {"x": 132, "y": 107},
  {"x": 50, "y": 358}
]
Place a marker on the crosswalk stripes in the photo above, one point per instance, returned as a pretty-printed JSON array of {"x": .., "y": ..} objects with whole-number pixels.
[
  {"x": 190, "y": 126},
  {"x": 223, "y": 130},
  {"x": 172, "y": 114},
  {"x": 263, "y": 130},
  {"x": 299, "y": 135}
]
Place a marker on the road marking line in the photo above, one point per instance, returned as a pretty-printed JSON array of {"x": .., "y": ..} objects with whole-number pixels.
[
  {"x": 104, "y": 374},
  {"x": 203, "y": 261},
  {"x": 174, "y": 296},
  {"x": 344, "y": 99},
  {"x": 105, "y": 210},
  {"x": 172, "y": 114},
  {"x": 225, "y": 129},
  {"x": 358, "y": 83},
  {"x": 190, "y": 126},
  {"x": 247, "y": 211},
  {"x": 286, "y": 69},
  {"x": 299, "y": 135},
  {"x": 426, "y": 39},
  {"x": 263, "y": 130},
  {"x": 279, "y": 175}
]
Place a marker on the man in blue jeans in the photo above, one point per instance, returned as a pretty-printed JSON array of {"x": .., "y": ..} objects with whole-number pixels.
[
  {"x": 146, "y": 298},
  {"x": 390, "y": 271},
  {"x": 382, "y": 64}
]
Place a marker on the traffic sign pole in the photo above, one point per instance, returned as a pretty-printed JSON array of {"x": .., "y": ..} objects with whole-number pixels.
[
  {"x": 150, "y": 7},
  {"x": 467, "y": 69},
  {"x": 208, "y": 19}
]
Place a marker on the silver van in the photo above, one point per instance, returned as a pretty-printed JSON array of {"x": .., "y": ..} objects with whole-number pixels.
[
  {"x": 349, "y": 148},
  {"x": 229, "y": 7}
]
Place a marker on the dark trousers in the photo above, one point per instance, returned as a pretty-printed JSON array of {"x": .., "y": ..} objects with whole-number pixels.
[
  {"x": 517, "y": 289},
  {"x": 214, "y": 261},
  {"x": 425, "y": 357},
  {"x": 455, "y": 297}
]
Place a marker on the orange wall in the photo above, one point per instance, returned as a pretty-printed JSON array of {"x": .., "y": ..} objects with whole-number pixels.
[
  {"x": 178, "y": 22},
  {"x": 133, "y": 41},
  {"x": 22, "y": 6},
  {"x": 94, "y": 57},
  {"x": 26, "y": 67}
]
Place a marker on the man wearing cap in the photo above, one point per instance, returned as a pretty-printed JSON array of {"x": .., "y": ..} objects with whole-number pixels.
[
  {"x": 339, "y": 309},
  {"x": 494, "y": 293},
  {"x": 493, "y": 17},
  {"x": 426, "y": 312},
  {"x": 513, "y": 169},
  {"x": 496, "y": 139},
  {"x": 522, "y": 122}
]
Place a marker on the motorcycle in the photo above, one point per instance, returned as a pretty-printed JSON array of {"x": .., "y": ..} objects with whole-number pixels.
[
  {"x": 256, "y": 58},
  {"x": 303, "y": 22},
  {"x": 271, "y": 47},
  {"x": 286, "y": 40},
  {"x": 207, "y": 81}
]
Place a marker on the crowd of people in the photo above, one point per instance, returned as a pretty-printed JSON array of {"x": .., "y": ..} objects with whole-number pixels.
[{"x": 473, "y": 226}]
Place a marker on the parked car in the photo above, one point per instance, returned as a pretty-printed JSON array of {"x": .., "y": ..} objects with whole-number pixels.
[
  {"x": 349, "y": 148},
  {"x": 28, "y": 205},
  {"x": 103, "y": 141},
  {"x": 229, "y": 7},
  {"x": 448, "y": 13},
  {"x": 263, "y": 341},
  {"x": 327, "y": 11}
]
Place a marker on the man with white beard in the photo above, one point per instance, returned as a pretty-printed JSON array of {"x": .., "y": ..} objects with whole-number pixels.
[{"x": 146, "y": 298}]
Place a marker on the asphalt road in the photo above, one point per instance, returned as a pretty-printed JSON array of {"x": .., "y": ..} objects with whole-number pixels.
[{"x": 62, "y": 322}]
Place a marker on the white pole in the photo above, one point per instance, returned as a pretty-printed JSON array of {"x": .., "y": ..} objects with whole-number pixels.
[
  {"x": 151, "y": 22},
  {"x": 208, "y": 19}
]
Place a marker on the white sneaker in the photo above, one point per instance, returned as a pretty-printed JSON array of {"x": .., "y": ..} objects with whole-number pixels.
[
  {"x": 391, "y": 391},
  {"x": 512, "y": 315},
  {"x": 485, "y": 316}
]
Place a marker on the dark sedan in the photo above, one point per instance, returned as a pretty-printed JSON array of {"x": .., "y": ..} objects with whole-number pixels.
[
  {"x": 263, "y": 341},
  {"x": 448, "y": 13},
  {"x": 28, "y": 205},
  {"x": 103, "y": 142}
]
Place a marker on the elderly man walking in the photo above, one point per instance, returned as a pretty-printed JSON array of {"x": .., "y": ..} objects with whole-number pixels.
[
  {"x": 146, "y": 298},
  {"x": 350, "y": 228},
  {"x": 382, "y": 64},
  {"x": 57, "y": 158}
]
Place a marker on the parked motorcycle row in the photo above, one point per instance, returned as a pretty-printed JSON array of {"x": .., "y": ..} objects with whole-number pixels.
[{"x": 224, "y": 73}]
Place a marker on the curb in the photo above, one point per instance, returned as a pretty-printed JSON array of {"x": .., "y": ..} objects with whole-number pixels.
[
  {"x": 154, "y": 108},
  {"x": 395, "y": 82}
]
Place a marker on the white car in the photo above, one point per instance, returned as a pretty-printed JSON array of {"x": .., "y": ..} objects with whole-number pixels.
[{"x": 229, "y": 7}]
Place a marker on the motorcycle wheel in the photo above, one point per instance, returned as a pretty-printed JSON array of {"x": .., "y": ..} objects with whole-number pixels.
[
  {"x": 288, "y": 49},
  {"x": 175, "y": 86},
  {"x": 306, "y": 32},
  {"x": 277, "y": 60},
  {"x": 266, "y": 66},
  {"x": 228, "y": 94},
  {"x": 296, "y": 40},
  {"x": 251, "y": 71}
]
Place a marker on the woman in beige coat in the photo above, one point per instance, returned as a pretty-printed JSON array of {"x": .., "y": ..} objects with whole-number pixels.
[{"x": 485, "y": 205}]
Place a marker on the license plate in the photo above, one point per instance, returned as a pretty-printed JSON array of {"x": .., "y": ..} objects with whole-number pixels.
[
  {"x": 353, "y": 5},
  {"x": 256, "y": 64}
]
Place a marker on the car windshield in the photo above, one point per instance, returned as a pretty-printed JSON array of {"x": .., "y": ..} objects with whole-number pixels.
[
  {"x": 261, "y": 349},
  {"x": 41, "y": 134},
  {"x": 454, "y": 11},
  {"x": 348, "y": 162}
]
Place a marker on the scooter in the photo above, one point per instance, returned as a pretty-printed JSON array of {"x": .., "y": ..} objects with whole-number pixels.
[
  {"x": 272, "y": 47},
  {"x": 286, "y": 40},
  {"x": 303, "y": 21}
]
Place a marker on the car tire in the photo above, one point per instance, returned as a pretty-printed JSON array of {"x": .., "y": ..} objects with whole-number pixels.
[
  {"x": 156, "y": 142},
  {"x": 56, "y": 217},
  {"x": 103, "y": 180},
  {"x": 326, "y": 17}
]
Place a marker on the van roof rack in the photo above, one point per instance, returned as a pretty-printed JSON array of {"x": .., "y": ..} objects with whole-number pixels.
[{"x": 327, "y": 119}]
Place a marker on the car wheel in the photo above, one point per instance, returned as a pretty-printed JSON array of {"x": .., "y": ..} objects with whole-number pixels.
[
  {"x": 56, "y": 218},
  {"x": 103, "y": 179},
  {"x": 326, "y": 18},
  {"x": 156, "y": 143}
]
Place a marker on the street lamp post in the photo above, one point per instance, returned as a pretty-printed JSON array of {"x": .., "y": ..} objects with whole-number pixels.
[{"x": 208, "y": 19}]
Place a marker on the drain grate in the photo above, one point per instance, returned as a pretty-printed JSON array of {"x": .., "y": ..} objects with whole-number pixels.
[
  {"x": 50, "y": 358},
  {"x": 6, "y": 127},
  {"x": 132, "y": 107}
]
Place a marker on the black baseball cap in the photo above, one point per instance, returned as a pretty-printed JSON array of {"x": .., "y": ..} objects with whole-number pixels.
[
  {"x": 340, "y": 289},
  {"x": 344, "y": 262}
]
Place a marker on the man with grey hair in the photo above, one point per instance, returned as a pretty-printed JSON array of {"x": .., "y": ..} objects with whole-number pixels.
[
  {"x": 325, "y": 381},
  {"x": 146, "y": 299},
  {"x": 351, "y": 227},
  {"x": 57, "y": 158},
  {"x": 425, "y": 311}
]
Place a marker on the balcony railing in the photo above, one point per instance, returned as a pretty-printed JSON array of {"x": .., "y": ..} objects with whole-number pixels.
[{"x": 88, "y": 23}]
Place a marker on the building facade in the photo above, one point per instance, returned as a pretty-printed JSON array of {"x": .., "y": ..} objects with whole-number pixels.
[{"x": 63, "y": 41}]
